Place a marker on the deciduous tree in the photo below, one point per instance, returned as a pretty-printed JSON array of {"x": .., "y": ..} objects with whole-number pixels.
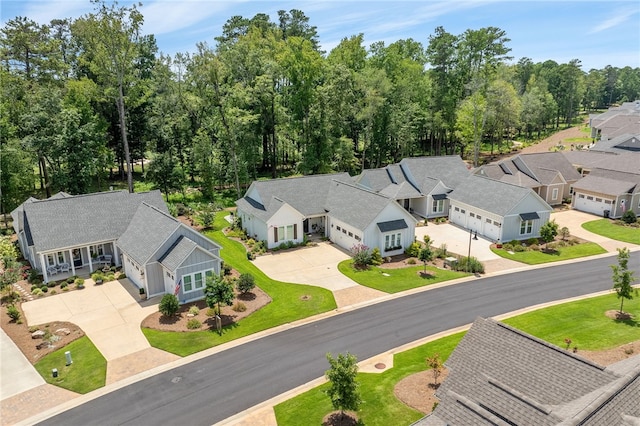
[
  {"x": 623, "y": 277},
  {"x": 343, "y": 387}
]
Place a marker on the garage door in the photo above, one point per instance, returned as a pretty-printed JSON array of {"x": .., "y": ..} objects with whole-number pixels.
[
  {"x": 592, "y": 204},
  {"x": 458, "y": 216},
  {"x": 491, "y": 229},
  {"x": 475, "y": 223}
]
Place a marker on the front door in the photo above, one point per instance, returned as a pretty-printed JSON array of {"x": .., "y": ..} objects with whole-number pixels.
[{"x": 77, "y": 258}]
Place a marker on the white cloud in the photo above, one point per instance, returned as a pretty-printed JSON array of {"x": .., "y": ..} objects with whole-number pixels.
[
  {"x": 620, "y": 16},
  {"x": 163, "y": 17}
]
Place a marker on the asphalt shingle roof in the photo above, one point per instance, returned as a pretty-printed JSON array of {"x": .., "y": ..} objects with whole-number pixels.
[
  {"x": 177, "y": 253},
  {"x": 604, "y": 185},
  {"x": 148, "y": 230},
  {"x": 72, "y": 221},
  {"x": 500, "y": 375},
  {"x": 306, "y": 194},
  {"x": 504, "y": 197},
  {"x": 354, "y": 205},
  {"x": 450, "y": 169}
]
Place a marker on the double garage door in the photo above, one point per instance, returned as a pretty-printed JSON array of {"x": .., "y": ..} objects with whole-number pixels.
[
  {"x": 592, "y": 204},
  {"x": 476, "y": 222}
]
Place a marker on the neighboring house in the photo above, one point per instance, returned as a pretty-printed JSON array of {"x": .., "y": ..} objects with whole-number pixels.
[
  {"x": 619, "y": 144},
  {"x": 616, "y": 121},
  {"x": 74, "y": 234},
  {"x": 607, "y": 193},
  {"x": 549, "y": 174},
  {"x": 419, "y": 184},
  {"x": 585, "y": 161},
  {"x": 163, "y": 255},
  {"x": 497, "y": 210},
  {"x": 499, "y": 375},
  {"x": 282, "y": 210}
]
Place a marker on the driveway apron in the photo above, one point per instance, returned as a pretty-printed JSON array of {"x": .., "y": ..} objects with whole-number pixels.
[{"x": 107, "y": 313}]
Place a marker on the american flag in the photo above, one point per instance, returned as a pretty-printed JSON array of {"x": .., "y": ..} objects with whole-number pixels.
[{"x": 177, "y": 289}]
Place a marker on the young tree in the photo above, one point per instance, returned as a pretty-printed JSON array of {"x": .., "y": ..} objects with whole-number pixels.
[
  {"x": 564, "y": 232},
  {"x": 435, "y": 364},
  {"x": 622, "y": 277},
  {"x": 548, "y": 231},
  {"x": 425, "y": 256},
  {"x": 169, "y": 305},
  {"x": 217, "y": 292},
  {"x": 343, "y": 390},
  {"x": 246, "y": 283}
]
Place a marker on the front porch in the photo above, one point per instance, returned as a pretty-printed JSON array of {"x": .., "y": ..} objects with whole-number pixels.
[
  {"x": 78, "y": 261},
  {"x": 80, "y": 272}
]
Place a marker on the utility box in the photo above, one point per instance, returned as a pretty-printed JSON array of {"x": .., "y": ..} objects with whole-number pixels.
[
  {"x": 67, "y": 355},
  {"x": 54, "y": 373}
]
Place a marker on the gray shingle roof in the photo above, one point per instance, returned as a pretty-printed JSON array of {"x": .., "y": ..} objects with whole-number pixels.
[
  {"x": 604, "y": 185},
  {"x": 354, "y": 205},
  {"x": 497, "y": 372},
  {"x": 148, "y": 230},
  {"x": 72, "y": 221},
  {"x": 392, "y": 225},
  {"x": 450, "y": 169},
  {"x": 306, "y": 194},
  {"x": 624, "y": 162},
  {"x": 177, "y": 253},
  {"x": 504, "y": 197}
]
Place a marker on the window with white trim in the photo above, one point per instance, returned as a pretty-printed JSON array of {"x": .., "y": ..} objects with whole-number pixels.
[
  {"x": 438, "y": 206},
  {"x": 393, "y": 241},
  {"x": 526, "y": 226},
  {"x": 195, "y": 281},
  {"x": 60, "y": 257},
  {"x": 51, "y": 260},
  {"x": 554, "y": 194}
]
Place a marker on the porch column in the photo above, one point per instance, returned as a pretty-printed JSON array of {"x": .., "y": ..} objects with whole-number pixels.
[
  {"x": 73, "y": 266},
  {"x": 116, "y": 254},
  {"x": 44, "y": 268},
  {"x": 90, "y": 260}
]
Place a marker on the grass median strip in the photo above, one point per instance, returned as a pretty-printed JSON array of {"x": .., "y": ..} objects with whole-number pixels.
[
  {"x": 583, "y": 321},
  {"x": 397, "y": 279},
  {"x": 291, "y": 302},
  {"x": 609, "y": 229},
  {"x": 536, "y": 257}
]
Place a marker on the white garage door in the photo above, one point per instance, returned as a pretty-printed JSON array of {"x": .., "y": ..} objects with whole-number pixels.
[
  {"x": 491, "y": 229},
  {"x": 592, "y": 204},
  {"x": 475, "y": 223},
  {"x": 344, "y": 238},
  {"x": 458, "y": 216}
]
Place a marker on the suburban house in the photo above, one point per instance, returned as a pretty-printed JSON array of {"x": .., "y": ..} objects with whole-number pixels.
[
  {"x": 69, "y": 235},
  {"x": 419, "y": 184},
  {"x": 616, "y": 121},
  {"x": 498, "y": 210},
  {"x": 284, "y": 210},
  {"x": 549, "y": 174},
  {"x": 163, "y": 255},
  {"x": 499, "y": 375},
  {"x": 619, "y": 144},
  {"x": 607, "y": 193}
]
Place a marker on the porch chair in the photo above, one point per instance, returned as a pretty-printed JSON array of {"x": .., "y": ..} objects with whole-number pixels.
[{"x": 52, "y": 270}]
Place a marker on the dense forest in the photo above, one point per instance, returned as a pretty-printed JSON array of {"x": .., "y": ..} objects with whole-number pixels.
[{"x": 84, "y": 100}]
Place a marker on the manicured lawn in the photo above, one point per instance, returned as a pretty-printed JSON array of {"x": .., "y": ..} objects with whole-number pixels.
[
  {"x": 609, "y": 229},
  {"x": 582, "y": 321},
  {"x": 87, "y": 372},
  {"x": 563, "y": 253},
  {"x": 288, "y": 303},
  {"x": 397, "y": 280},
  {"x": 380, "y": 406}
]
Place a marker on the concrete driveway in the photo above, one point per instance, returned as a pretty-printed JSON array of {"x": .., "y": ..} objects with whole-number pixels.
[
  {"x": 108, "y": 314},
  {"x": 315, "y": 265},
  {"x": 457, "y": 241}
]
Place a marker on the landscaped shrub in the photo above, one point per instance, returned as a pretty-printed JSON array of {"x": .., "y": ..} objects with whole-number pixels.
[
  {"x": 441, "y": 252},
  {"x": 36, "y": 291},
  {"x": 514, "y": 243},
  {"x": 70, "y": 280},
  {"x": 44, "y": 289},
  {"x": 79, "y": 281},
  {"x": 64, "y": 285},
  {"x": 32, "y": 275},
  {"x": 376, "y": 257},
  {"x": 52, "y": 284},
  {"x": 246, "y": 283},
  {"x": 33, "y": 287},
  {"x": 239, "y": 307},
  {"x": 534, "y": 247},
  {"x": 211, "y": 312},
  {"x": 507, "y": 247},
  {"x": 468, "y": 264},
  {"x": 251, "y": 242},
  {"x": 194, "y": 310},
  {"x": 226, "y": 269},
  {"x": 532, "y": 241},
  {"x": 519, "y": 248},
  {"x": 413, "y": 250},
  {"x": 169, "y": 305},
  {"x": 361, "y": 255},
  {"x": 564, "y": 232},
  {"x": 629, "y": 217},
  {"x": 13, "y": 312},
  {"x": 411, "y": 261},
  {"x": 193, "y": 324}
]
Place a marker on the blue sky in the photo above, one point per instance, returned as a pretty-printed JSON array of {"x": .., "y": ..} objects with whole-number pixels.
[{"x": 599, "y": 33}]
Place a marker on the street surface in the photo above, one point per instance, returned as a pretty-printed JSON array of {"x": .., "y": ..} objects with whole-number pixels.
[{"x": 217, "y": 387}]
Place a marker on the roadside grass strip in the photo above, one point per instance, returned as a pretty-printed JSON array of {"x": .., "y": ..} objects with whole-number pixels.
[
  {"x": 583, "y": 321},
  {"x": 536, "y": 257},
  {"x": 397, "y": 280}
]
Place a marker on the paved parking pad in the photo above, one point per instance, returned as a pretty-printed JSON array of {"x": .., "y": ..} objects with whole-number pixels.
[{"x": 316, "y": 265}]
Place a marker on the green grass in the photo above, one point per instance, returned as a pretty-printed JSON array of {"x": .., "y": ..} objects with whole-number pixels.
[
  {"x": 380, "y": 407},
  {"x": 582, "y": 321},
  {"x": 563, "y": 253},
  {"x": 609, "y": 229},
  {"x": 87, "y": 372},
  {"x": 397, "y": 280},
  {"x": 287, "y": 303}
]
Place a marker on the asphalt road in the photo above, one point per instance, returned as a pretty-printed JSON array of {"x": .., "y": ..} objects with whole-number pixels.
[{"x": 214, "y": 388}]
